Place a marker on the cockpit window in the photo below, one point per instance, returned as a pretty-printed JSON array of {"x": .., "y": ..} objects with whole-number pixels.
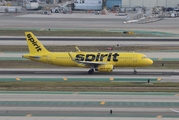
[{"x": 143, "y": 57}]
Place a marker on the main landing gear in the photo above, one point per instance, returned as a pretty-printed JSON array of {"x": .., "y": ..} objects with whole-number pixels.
[
  {"x": 91, "y": 71},
  {"x": 135, "y": 72}
]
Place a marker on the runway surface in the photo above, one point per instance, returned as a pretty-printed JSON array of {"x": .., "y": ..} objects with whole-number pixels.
[
  {"x": 89, "y": 105},
  {"x": 83, "y": 106},
  {"x": 83, "y": 21},
  {"x": 102, "y": 39},
  {"x": 170, "y": 75},
  {"x": 96, "y": 43}
]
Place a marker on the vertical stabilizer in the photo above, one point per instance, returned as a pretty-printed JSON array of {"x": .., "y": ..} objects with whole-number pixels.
[{"x": 34, "y": 45}]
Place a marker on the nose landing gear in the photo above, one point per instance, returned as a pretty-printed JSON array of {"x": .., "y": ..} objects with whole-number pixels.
[{"x": 135, "y": 72}]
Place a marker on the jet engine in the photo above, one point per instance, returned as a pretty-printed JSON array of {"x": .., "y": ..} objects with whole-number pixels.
[{"x": 105, "y": 68}]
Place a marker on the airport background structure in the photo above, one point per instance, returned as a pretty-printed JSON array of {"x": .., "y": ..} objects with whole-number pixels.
[
  {"x": 150, "y": 3},
  {"x": 111, "y": 3},
  {"x": 133, "y": 3}
]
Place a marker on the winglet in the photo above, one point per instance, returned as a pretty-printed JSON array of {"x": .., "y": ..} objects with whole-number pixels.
[{"x": 77, "y": 49}]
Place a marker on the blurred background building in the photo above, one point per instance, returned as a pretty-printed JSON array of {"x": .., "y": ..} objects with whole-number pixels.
[{"x": 109, "y": 4}]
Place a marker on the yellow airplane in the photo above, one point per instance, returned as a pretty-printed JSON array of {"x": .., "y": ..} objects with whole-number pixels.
[{"x": 96, "y": 61}]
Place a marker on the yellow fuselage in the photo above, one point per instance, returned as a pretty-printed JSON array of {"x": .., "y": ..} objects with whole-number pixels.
[{"x": 117, "y": 59}]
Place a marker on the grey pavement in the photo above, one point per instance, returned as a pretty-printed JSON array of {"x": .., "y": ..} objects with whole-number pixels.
[
  {"x": 89, "y": 98},
  {"x": 83, "y": 21},
  {"x": 96, "y": 43},
  {"x": 61, "y": 113},
  {"x": 84, "y": 118}
]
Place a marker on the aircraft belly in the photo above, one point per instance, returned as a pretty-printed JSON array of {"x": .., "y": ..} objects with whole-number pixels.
[
  {"x": 125, "y": 63},
  {"x": 43, "y": 60},
  {"x": 66, "y": 63}
]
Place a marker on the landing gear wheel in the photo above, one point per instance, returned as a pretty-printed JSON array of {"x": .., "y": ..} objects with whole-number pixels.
[
  {"x": 135, "y": 72},
  {"x": 91, "y": 71}
]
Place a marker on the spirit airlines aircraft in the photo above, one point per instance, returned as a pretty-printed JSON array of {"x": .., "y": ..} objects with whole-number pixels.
[{"x": 96, "y": 61}]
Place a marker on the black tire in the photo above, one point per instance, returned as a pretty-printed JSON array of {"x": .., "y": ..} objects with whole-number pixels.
[
  {"x": 89, "y": 72},
  {"x": 135, "y": 72}
]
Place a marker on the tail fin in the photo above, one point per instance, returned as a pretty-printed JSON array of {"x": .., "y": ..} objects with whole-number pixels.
[{"x": 34, "y": 45}]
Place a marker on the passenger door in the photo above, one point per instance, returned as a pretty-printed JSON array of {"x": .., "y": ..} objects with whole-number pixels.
[
  {"x": 49, "y": 60},
  {"x": 134, "y": 58}
]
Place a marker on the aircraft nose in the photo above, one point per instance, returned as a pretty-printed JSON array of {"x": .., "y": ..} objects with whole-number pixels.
[{"x": 150, "y": 62}]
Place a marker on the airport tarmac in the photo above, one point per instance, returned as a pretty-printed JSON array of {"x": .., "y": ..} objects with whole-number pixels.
[
  {"x": 96, "y": 43},
  {"x": 77, "y": 106},
  {"x": 88, "y": 105},
  {"x": 83, "y": 118},
  {"x": 83, "y": 21},
  {"x": 169, "y": 75}
]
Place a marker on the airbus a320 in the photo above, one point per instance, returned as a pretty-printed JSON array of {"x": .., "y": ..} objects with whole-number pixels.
[{"x": 95, "y": 61}]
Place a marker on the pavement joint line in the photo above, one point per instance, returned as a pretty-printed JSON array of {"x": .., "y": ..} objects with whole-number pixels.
[
  {"x": 111, "y": 79},
  {"x": 107, "y": 29},
  {"x": 76, "y": 93},
  {"x": 28, "y": 115},
  {"x": 102, "y": 102},
  {"x": 18, "y": 79},
  {"x": 159, "y": 79},
  {"x": 65, "y": 79},
  {"x": 42, "y": 29},
  {"x": 159, "y": 116}
]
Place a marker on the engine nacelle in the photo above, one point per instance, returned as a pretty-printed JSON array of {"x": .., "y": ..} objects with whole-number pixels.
[{"x": 105, "y": 68}]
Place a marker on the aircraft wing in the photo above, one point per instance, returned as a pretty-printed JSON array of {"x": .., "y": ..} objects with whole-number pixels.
[
  {"x": 174, "y": 110},
  {"x": 87, "y": 63}
]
